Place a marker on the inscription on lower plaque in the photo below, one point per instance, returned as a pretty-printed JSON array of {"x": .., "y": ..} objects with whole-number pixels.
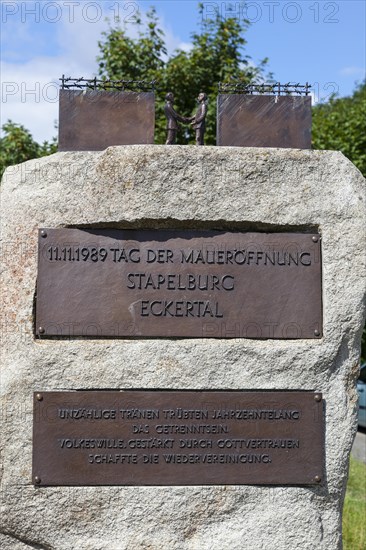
[
  {"x": 177, "y": 438},
  {"x": 218, "y": 284}
]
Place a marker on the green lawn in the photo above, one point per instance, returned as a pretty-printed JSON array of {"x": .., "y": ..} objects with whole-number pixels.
[{"x": 354, "y": 511}]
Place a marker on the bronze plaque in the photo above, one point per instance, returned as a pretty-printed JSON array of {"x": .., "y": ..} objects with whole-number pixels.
[
  {"x": 264, "y": 121},
  {"x": 178, "y": 438},
  {"x": 219, "y": 284},
  {"x": 92, "y": 120}
]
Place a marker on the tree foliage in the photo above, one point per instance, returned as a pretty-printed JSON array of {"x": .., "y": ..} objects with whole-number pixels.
[
  {"x": 217, "y": 54},
  {"x": 125, "y": 58},
  {"x": 340, "y": 125},
  {"x": 17, "y": 145}
]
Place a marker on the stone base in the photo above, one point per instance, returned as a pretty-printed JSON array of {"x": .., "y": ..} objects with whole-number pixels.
[{"x": 181, "y": 187}]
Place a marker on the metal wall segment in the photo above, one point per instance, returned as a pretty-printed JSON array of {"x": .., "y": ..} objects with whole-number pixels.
[
  {"x": 264, "y": 121},
  {"x": 91, "y": 120}
]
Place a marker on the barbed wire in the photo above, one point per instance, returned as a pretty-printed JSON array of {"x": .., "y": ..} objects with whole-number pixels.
[
  {"x": 96, "y": 84},
  {"x": 265, "y": 89}
]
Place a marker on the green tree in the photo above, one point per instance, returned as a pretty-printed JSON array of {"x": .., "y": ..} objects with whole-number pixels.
[
  {"x": 125, "y": 58},
  {"x": 17, "y": 145},
  {"x": 217, "y": 55},
  {"x": 340, "y": 125}
]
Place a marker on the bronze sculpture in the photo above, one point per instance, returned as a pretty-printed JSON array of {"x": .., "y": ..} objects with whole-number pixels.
[
  {"x": 95, "y": 114},
  {"x": 172, "y": 119},
  {"x": 264, "y": 115},
  {"x": 199, "y": 120}
]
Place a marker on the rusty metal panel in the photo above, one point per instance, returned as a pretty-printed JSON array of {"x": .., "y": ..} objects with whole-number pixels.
[
  {"x": 264, "y": 121},
  {"x": 220, "y": 284},
  {"x": 178, "y": 438},
  {"x": 92, "y": 120}
]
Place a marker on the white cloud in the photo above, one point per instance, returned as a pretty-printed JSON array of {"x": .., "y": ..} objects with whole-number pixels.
[
  {"x": 30, "y": 91},
  {"x": 314, "y": 98},
  {"x": 352, "y": 71},
  {"x": 185, "y": 46},
  {"x": 29, "y": 87}
]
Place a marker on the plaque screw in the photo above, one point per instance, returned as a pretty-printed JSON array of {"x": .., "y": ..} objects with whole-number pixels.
[
  {"x": 316, "y": 332},
  {"x": 317, "y": 397},
  {"x": 37, "y": 480},
  {"x": 317, "y": 479},
  {"x": 41, "y": 330},
  {"x": 39, "y": 397},
  {"x": 43, "y": 233},
  {"x": 315, "y": 239}
]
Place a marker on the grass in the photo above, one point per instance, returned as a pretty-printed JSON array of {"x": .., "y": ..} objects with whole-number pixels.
[{"x": 354, "y": 511}]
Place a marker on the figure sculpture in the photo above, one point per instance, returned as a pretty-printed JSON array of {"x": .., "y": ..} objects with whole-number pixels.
[
  {"x": 199, "y": 120},
  {"x": 172, "y": 119}
]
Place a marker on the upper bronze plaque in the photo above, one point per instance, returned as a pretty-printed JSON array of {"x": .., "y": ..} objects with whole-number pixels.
[
  {"x": 194, "y": 284},
  {"x": 93, "y": 120},
  {"x": 178, "y": 438},
  {"x": 264, "y": 121}
]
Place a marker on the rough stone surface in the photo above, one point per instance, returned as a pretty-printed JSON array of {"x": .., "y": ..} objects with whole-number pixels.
[{"x": 181, "y": 187}]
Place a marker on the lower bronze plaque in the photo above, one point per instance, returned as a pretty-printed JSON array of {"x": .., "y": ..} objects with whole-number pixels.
[
  {"x": 195, "y": 284},
  {"x": 178, "y": 438}
]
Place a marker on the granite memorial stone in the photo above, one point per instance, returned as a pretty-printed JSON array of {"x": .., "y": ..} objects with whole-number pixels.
[{"x": 158, "y": 188}]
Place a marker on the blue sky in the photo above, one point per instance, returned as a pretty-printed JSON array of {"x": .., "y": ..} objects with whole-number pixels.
[{"x": 322, "y": 42}]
